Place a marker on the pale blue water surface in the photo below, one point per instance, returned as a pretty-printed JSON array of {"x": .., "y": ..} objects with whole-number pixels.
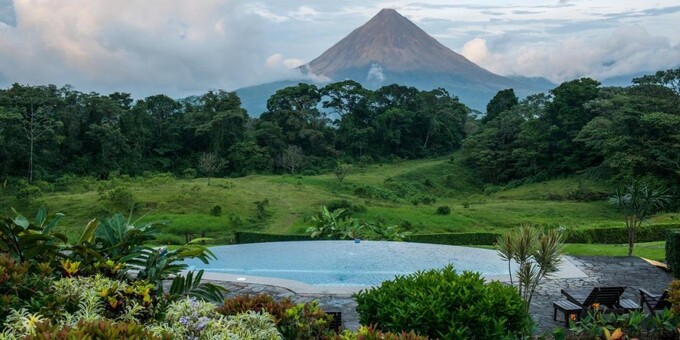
[{"x": 346, "y": 263}]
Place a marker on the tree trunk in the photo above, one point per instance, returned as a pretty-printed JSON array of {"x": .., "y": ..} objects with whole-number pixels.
[
  {"x": 30, "y": 162},
  {"x": 631, "y": 223}
]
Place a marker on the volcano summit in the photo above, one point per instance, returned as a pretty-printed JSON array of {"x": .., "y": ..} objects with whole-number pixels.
[{"x": 389, "y": 49}]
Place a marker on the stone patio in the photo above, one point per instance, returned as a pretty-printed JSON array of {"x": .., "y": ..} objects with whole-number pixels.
[{"x": 631, "y": 272}]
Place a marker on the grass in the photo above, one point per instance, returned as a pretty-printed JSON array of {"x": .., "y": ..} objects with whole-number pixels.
[
  {"x": 650, "y": 250},
  {"x": 186, "y": 203}
]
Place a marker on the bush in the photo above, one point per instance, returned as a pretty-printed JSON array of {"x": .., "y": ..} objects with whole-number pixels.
[
  {"x": 189, "y": 173},
  {"x": 444, "y": 304},
  {"x": 347, "y": 205},
  {"x": 443, "y": 210},
  {"x": 673, "y": 252},
  {"x": 373, "y": 192},
  {"x": 216, "y": 210},
  {"x": 371, "y": 333},
  {"x": 99, "y": 329},
  {"x": 118, "y": 197},
  {"x": 301, "y": 321}
]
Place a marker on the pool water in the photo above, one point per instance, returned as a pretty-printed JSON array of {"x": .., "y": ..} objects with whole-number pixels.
[{"x": 347, "y": 263}]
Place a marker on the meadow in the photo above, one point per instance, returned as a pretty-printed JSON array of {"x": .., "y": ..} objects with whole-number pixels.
[{"x": 405, "y": 193}]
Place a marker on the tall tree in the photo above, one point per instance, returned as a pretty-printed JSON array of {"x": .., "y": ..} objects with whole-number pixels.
[{"x": 34, "y": 108}]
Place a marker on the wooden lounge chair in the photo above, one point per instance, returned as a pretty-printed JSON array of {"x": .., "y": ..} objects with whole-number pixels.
[
  {"x": 579, "y": 300},
  {"x": 654, "y": 302}
]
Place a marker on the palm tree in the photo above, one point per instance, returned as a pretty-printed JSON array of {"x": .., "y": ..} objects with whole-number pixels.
[{"x": 638, "y": 201}]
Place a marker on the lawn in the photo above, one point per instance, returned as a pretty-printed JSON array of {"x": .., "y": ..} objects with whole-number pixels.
[{"x": 405, "y": 193}]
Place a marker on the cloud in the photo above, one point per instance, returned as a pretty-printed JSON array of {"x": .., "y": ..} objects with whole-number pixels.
[
  {"x": 7, "y": 16},
  {"x": 276, "y": 60},
  {"x": 476, "y": 51},
  {"x": 264, "y": 12},
  {"x": 375, "y": 74},
  {"x": 171, "y": 46},
  {"x": 627, "y": 50}
]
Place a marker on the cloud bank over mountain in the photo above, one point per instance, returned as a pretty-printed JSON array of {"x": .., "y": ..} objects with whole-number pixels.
[{"x": 185, "y": 47}]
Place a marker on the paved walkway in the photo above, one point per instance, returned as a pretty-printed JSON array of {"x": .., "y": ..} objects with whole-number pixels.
[{"x": 631, "y": 272}]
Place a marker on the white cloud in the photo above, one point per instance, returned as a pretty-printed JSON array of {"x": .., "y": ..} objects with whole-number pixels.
[
  {"x": 476, "y": 51},
  {"x": 627, "y": 50}
]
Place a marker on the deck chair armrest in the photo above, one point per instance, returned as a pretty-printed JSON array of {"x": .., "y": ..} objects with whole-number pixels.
[{"x": 646, "y": 295}]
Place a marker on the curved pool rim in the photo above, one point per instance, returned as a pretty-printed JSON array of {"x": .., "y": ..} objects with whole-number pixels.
[{"x": 285, "y": 264}]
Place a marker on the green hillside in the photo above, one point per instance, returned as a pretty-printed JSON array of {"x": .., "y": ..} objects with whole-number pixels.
[{"x": 405, "y": 193}]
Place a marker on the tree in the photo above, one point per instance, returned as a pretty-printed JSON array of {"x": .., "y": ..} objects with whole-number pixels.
[
  {"x": 342, "y": 170},
  {"x": 503, "y": 100},
  {"x": 35, "y": 110},
  {"x": 210, "y": 164},
  {"x": 293, "y": 158},
  {"x": 638, "y": 201}
]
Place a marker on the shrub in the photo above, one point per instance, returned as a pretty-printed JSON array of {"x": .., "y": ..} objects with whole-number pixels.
[
  {"x": 301, "y": 321},
  {"x": 118, "y": 197},
  {"x": 216, "y": 210},
  {"x": 371, "y": 333},
  {"x": 99, "y": 329},
  {"x": 673, "y": 253},
  {"x": 444, "y": 304},
  {"x": 347, "y": 205},
  {"x": 443, "y": 210},
  {"x": 373, "y": 192},
  {"x": 189, "y": 173}
]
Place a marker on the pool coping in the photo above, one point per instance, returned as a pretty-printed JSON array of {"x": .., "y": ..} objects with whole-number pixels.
[{"x": 566, "y": 270}]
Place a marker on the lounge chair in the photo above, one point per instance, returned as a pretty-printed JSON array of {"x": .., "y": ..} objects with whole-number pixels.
[
  {"x": 654, "y": 302},
  {"x": 582, "y": 299}
]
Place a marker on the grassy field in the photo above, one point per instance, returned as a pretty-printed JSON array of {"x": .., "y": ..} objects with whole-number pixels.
[{"x": 186, "y": 203}]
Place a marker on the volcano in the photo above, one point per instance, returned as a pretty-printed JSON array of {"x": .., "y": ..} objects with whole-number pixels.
[
  {"x": 391, "y": 43},
  {"x": 391, "y": 49}
]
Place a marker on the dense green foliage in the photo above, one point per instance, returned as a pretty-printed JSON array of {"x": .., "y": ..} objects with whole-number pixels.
[
  {"x": 47, "y": 132},
  {"x": 608, "y": 132},
  {"x": 445, "y": 304},
  {"x": 673, "y": 253}
]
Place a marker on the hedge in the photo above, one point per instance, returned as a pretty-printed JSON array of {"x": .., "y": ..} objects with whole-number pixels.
[
  {"x": 455, "y": 239},
  {"x": 241, "y": 237},
  {"x": 616, "y": 235},
  {"x": 673, "y": 253},
  {"x": 619, "y": 235}
]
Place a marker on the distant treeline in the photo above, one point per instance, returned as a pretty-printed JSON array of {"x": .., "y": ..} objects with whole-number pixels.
[
  {"x": 582, "y": 128},
  {"x": 578, "y": 127},
  {"x": 47, "y": 132}
]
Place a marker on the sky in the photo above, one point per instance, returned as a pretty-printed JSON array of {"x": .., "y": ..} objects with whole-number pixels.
[{"x": 184, "y": 47}]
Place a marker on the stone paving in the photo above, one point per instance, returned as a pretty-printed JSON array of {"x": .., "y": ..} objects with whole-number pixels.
[{"x": 631, "y": 272}]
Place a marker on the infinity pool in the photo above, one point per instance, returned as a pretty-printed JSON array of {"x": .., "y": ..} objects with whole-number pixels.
[{"x": 346, "y": 263}]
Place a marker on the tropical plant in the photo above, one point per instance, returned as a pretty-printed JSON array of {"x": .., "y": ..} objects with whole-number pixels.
[
  {"x": 329, "y": 224},
  {"x": 638, "y": 201},
  {"x": 536, "y": 254},
  {"x": 372, "y": 333},
  {"x": 302, "y": 321},
  {"x": 446, "y": 305},
  {"x": 159, "y": 264},
  {"x": 34, "y": 242}
]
